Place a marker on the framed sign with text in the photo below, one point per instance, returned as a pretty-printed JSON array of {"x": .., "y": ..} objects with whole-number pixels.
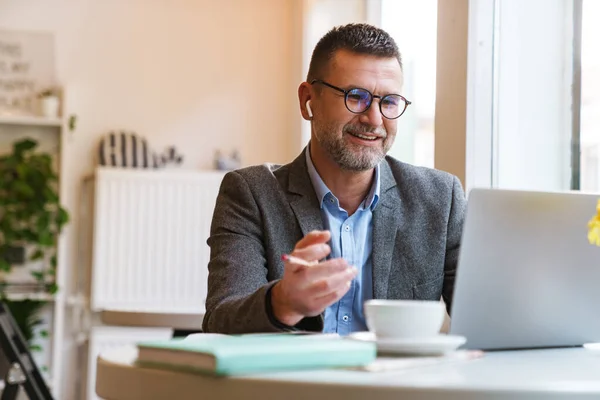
[{"x": 27, "y": 67}]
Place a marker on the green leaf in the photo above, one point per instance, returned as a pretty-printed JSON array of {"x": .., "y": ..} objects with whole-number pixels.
[
  {"x": 38, "y": 275},
  {"x": 45, "y": 160},
  {"x": 29, "y": 235},
  {"x": 22, "y": 171},
  {"x": 53, "y": 262},
  {"x": 43, "y": 221},
  {"x": 62, "y": 217},
  {"x": 50, "y": 195},
  {"x": 37, "y": 255},
  {"x": 4, "y": 265},
  {"x": 25, "y": 314},
  {"x": 45, "y": 238},
  {"x": 44, "y": 333},
  {"x": 24, "y": 145},
  {"x": 35, "y": 348},
  {"x": 52, "y": 288},
  {"x": 23, "y": 189}
]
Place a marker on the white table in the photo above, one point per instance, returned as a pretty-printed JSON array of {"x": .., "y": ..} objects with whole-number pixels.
[{"x": 572, "y": 373}]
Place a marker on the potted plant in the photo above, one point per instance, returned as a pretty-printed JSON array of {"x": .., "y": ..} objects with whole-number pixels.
[
  {"x": 31, "y": 218},
  {"x": 49, "y": 103}
]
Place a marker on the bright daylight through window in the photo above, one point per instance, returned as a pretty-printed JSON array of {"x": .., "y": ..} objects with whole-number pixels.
[
  {"x": 413, "y": 24},
  {"x": 590, "y": 96}
]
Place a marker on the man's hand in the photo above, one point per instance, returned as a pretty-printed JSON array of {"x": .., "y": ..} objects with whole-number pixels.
[{"x": 306, "y": 291}]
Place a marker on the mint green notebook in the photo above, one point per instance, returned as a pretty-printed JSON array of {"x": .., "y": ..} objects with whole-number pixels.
[{"x": 247, "y": 354}]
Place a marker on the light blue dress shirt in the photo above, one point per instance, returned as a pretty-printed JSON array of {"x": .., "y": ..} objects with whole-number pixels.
[{"x": 351, "y": 239}]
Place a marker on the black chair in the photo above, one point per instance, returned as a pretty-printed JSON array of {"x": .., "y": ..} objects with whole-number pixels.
[{"x": 17, "y": 367}]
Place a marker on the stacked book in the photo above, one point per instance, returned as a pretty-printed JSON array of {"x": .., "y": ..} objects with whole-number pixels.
[{"x": 224, "y": 355}]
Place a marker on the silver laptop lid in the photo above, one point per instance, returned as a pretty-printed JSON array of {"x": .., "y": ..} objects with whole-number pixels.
[{"x": 527, "y": 276}]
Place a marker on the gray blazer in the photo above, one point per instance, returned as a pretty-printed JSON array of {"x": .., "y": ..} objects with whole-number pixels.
[{"x": 262, "y": 211}]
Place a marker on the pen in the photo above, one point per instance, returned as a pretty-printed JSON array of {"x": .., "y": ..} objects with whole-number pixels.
[{"x": 299, "y": 261}]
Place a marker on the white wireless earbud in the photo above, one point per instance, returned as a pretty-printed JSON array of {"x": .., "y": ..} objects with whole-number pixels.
[{"x": 308, "y": 109}]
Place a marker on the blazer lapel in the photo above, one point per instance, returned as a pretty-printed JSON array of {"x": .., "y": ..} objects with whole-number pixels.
[
  {"x": 304, "y": 201},
  {"x": 386, "y": 219}
]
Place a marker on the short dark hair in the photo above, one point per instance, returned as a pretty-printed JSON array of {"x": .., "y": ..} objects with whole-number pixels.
[{"x": 358, "y": 38}]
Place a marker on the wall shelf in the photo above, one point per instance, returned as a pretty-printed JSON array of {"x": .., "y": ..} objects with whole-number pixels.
[
  {"x": 30, "y": 296},
  {"x": 26, "y": 120}
]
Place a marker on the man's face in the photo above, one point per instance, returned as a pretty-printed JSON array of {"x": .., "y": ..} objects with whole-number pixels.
[{"x": 356, "y": 142}]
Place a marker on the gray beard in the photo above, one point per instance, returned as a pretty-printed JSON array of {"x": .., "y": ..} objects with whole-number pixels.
[
  {"x": 360, "y": 160},
  {"x": 351, "y": 161}
]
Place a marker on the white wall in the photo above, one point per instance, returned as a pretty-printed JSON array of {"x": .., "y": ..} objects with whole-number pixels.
[{"x": 198, "y": 74}]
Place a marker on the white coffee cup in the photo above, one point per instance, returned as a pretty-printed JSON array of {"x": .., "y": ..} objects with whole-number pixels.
[{"x": 404, "y": 318}]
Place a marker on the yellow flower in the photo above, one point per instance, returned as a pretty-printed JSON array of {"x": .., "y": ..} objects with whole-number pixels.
[{"x": 594, "y": 227}]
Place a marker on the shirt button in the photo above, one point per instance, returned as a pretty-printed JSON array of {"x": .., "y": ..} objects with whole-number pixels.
[
  {"x": 331, "y": 200},
  {"x": 347, "y": 228},
  {"x": 345, "y": 318}
]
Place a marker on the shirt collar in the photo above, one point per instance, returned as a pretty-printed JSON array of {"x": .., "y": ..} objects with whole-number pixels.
[{"x": 322, "y": 190}]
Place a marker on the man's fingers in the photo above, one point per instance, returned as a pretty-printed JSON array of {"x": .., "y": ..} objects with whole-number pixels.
[
  {"x": 322, "y": 302},
  {"x": 313, "y": 252},
  {"x": 326, "y": 270},
  {"x": 313, "y": 237},
  {"x": 332, "y": 284}
]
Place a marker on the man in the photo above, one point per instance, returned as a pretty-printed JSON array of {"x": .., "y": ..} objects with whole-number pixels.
[{"x": 302, "y": 246}]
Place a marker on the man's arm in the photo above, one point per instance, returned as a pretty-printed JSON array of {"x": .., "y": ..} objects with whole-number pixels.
[
  {"x": 237, "y": 280},
  {"x": 239, "y": 295},
  {"x": 453, "y": 237}
]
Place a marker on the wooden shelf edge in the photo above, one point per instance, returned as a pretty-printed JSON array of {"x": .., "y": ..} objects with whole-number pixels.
[{"x": 25, "y": 120}]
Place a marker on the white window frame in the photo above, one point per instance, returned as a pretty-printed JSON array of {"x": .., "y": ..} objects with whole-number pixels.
[{"x": 494, "y": 156}]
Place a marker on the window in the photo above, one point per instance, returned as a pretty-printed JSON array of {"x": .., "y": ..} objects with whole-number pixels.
[
  {"x": 590, "y": 96},
  {"x": 413, "y": 25},
  {"x": 321, "y": 16},
  {"x": 521, "y": 107}
]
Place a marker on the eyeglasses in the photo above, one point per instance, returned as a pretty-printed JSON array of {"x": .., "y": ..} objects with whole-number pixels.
[{"x": 358, "y": 100}]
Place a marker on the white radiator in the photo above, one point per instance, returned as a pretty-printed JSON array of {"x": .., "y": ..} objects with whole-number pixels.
[{"x": 149, "y": 245}]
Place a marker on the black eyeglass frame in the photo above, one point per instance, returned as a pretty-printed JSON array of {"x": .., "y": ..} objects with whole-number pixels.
[{"x": 373, "y": 96}]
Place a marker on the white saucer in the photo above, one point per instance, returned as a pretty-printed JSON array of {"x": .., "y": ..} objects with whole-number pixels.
[
  {"x": 592, "y": 346},
  {"x": 428, "y": 346}
]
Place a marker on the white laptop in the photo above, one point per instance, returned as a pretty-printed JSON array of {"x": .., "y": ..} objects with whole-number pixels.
[{"x": 527, "y": 276}]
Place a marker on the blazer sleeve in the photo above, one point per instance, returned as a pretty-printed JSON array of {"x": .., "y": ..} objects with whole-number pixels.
[
  {"x": 238, "y": 298},
  {"x": 453, "y": 238},
  {"x": 237, "y": 271}
]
